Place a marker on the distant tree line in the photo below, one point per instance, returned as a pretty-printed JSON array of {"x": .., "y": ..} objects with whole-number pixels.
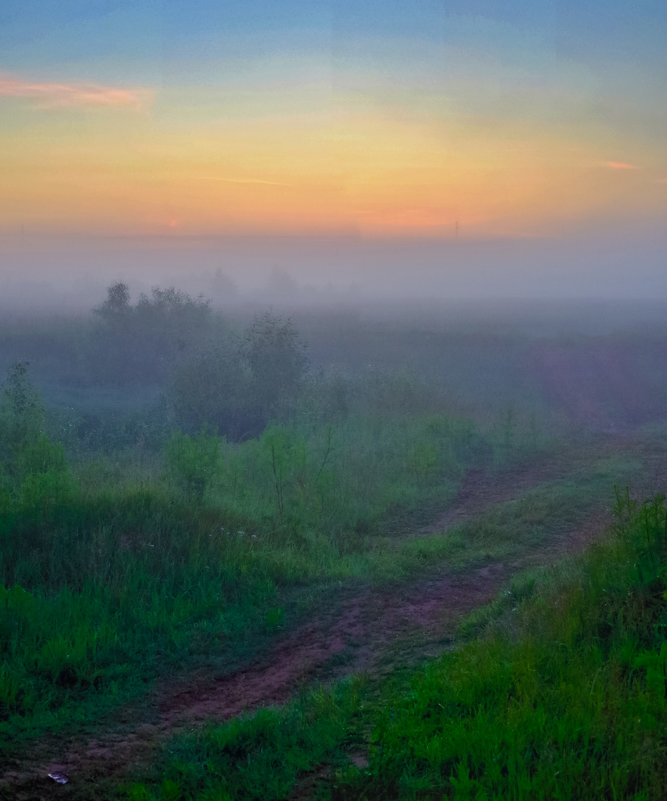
[{"x": 230, "y": 382}]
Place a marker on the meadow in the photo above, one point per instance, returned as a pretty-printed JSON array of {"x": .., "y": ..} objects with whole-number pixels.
[{"x": 184, "y": 489}]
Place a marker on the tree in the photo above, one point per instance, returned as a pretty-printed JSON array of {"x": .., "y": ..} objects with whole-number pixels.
[
  {"x": 194, "y": 462},
  {"x": 144, "y": 342},
  {"x": 169, "y": 325},
  {"x": 117, "y": 303},
  {"x": 31, "y": 465},
  {"x": 212, "y": 390},
  {"x": 21, "y": 415},
  {"x": 113, "y": 342},
  {"x": 277, "y": 360}
]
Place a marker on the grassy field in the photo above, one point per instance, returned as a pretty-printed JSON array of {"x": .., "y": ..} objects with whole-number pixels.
[
  {"x": 561, "y": 694},
  {"x": 107, "y": 586},
  {"x": 229, "y": 501}
]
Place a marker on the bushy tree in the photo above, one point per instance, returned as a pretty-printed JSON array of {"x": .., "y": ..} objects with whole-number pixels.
[
  {"x": 194, "y": 461},
  {"x": 21, "y": 416},
  {"x": 117, "y": 304},
  {"x": 236, "y": 388},
  {"x": 213, "y": 390},
  {"x": 277, "y": 360},
  {"x": 143, "y": 342},
  {"x": 170, "y": 325},
  {"x": 33, "y": 468}
]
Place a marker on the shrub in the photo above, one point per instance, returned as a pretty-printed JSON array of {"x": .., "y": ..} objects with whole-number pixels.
[{"x": 194, "y": 461}]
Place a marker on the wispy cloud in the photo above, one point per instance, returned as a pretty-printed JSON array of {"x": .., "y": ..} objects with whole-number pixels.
[
  {"x": 68, "y": 95},
  {"x": 620, "y": 165}
]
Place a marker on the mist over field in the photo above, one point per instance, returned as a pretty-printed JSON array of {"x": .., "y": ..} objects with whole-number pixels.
[
  {"x": 267, "y": 502},
  {"x": 333, "y": 400},
  {"x": 71, "y": 274},
  {"x": 211, "y": 502}
]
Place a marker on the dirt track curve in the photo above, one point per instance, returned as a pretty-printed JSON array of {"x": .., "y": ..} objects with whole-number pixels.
[{"x": 350, "y": 639}]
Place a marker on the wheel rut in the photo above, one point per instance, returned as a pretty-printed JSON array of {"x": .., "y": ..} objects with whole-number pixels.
[{"x": 353, "y": 636}]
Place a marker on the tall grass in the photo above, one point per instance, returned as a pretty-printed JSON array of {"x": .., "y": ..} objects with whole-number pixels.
[
  {"x": 110, "y": 576},
  {"x": 563, "y": 697}
]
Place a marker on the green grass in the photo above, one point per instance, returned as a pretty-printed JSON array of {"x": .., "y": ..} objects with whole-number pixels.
[
  {"x": 564, "y": 697},
  {"x": 122, "y": 569},
  {"x": 130, "y": 553},
  {"x": 106, "y": 590},
  {"x": 115, "y": 573}
]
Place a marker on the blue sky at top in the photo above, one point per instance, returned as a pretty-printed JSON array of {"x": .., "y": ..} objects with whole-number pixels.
[{"x": 394, "y": 111}]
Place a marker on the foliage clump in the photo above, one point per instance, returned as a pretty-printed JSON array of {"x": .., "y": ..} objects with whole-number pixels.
[
  {"x": 144, "y": 342},
  {"x": 33, "y": 468},
  {"x": 194, "y": 462},
  {"x": 237, "y": 386}
]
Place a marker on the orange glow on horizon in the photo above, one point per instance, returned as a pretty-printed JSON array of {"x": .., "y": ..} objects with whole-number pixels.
[{"x": 354, "y": 171}]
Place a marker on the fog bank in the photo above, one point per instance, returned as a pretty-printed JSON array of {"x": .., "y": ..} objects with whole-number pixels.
[{"x": 72, "y": 273}]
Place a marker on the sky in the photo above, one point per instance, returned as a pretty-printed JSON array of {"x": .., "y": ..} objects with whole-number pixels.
[{"x": 433, "y": 120}]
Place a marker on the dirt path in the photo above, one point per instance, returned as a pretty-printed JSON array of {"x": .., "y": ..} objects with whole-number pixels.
[
  {"x": 363, "y": 629},
  {"x": 349, "y": 639}
]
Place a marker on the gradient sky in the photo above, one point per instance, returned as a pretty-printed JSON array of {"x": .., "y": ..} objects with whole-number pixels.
[{"x": 512, "y": 118}]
